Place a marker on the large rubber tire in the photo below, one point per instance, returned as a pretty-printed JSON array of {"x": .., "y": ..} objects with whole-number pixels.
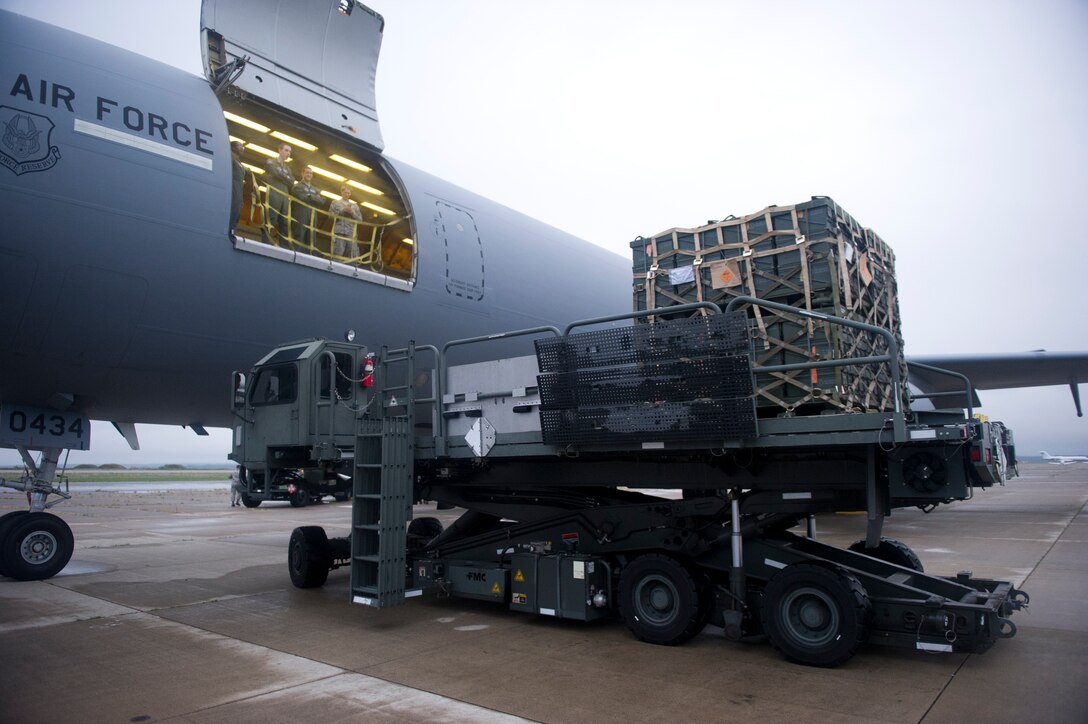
[
  {"x": 6, "y": 521},
  {"x": 815, "y": 615},
  {"x": 250, "y": 502},
  {"x": 309, "y": 556},
  {"x": 300, "y": 498},
  {"x": 37, "y": 546},
  {"x": 661, "y": 601},
  {"x": 891, "y": 551},
  {"x": 422, "y": 531}
]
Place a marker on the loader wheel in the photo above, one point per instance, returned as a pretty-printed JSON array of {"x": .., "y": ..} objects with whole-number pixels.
[
  {"x": 250, "y": 502},
  {"x": 816, "y": 616},
  {"x": 309, "y": 556},
  {"x": 422, "y": 531},
  {"x": 299, "y": 499},
  {"x": 36, "y": 546},
  {"x": 660, "y": 601},
  {"x": 891, "y": 551}
]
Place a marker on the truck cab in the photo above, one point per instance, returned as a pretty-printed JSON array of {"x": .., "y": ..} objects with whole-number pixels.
[{"x": 294, "y": 421}]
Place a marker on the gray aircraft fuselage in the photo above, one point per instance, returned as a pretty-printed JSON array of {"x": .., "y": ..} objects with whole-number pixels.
[{"x": 121, "y": 292}]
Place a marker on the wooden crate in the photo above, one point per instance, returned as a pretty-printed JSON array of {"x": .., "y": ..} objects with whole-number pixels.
[{"x": 811, "y": 255}]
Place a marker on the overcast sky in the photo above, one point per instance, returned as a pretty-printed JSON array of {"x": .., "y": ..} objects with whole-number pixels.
[{"x": 956, "y": 130}]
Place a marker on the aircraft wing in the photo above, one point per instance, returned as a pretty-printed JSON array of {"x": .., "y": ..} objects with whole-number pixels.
[{"x": 998, "y": 371}]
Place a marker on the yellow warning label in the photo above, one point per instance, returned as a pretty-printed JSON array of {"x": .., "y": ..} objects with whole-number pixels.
[
  {"x": 519, "y": 576},
  {"x": 495, "y": 589}
]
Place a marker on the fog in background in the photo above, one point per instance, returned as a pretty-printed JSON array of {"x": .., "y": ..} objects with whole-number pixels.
[{"x": 955, "y": 130}]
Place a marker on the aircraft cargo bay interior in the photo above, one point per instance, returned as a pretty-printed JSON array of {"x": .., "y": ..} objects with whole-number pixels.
[{"x": 336, "y": 200}]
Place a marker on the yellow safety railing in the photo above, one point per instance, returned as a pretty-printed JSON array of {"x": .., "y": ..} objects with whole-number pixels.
[{"x": 308, "y": 225}]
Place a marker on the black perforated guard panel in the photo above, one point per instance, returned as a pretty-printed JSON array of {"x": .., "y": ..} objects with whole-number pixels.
[
  {"x": 662, "y": 341},
  {"x": 689, "y": 379},
  {"x": 685, "y": 379}
]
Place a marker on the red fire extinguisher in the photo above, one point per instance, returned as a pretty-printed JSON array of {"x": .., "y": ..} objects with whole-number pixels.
[{"x": 368, "y": 371}]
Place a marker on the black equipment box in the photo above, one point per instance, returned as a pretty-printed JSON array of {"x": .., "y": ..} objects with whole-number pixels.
[
  {"x": 486, "y": 582},
  {"x": 558, "y": 585}
]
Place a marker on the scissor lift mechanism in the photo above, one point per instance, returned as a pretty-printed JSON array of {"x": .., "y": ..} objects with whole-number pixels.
[{"x": 551, "y": 467}]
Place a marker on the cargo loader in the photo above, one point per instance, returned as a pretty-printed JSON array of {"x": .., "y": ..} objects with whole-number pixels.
[
  {"x": 298, "y": 440},
  {"x": 558, "y": 459}
]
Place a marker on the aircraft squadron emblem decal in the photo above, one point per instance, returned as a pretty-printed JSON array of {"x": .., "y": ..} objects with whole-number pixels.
[{"x": 24, "y": 145}]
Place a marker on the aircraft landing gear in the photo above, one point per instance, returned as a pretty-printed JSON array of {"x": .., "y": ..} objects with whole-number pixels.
[{"x": 35, "y": 545}]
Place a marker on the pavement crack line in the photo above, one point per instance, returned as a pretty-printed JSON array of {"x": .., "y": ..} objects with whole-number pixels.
[
  {"x": 937, "y": 699},
  {"x": 1057, "y": 539},
  {"x": 339, "y": 671}
]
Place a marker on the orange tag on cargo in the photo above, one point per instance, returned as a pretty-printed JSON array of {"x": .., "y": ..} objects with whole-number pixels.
[{"x": 725, "y": 274}]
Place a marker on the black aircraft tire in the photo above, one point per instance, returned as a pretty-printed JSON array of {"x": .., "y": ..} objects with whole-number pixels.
[
  {"x": 6, "y": 521},
  {"x": 250, "y": 502},
  {"x": 299, "y": 499},
  {"x": 36, "y": 546},
  {"x": 815, "y": 615},
  {"x": 891, "y": 551},
  {"x": 309, "y": 557},
  {"x": 660, "y": 601}
]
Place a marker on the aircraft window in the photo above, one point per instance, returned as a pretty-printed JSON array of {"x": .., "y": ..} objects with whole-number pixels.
[
  {"x": 331, "y": 199},
  {"x": 275, "y": 386},
  {"x": 343, "y": 376}
]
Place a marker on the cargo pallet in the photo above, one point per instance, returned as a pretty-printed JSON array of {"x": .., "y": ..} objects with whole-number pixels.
[
  {"x": 811, "y": 255},
  {"x": 548, "y": 455}
]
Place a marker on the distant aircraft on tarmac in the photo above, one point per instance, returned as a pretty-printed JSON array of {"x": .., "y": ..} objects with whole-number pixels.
[
  {"x": 1063, "y": 459},
  {"x": 140, "y": 264}
]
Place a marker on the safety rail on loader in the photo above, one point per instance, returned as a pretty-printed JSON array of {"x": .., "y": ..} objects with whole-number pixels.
[{"x": 549, "y": 454}]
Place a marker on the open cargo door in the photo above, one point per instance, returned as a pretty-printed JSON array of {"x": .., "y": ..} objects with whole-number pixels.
[{"x": 306, "y": 56}]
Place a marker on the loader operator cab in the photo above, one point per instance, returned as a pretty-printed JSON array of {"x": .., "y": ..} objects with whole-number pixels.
[{"x": 293, "y": 419}]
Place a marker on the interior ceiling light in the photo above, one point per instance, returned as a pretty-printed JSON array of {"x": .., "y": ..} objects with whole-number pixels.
[
  {"x": 235, "y": 139},
  {"x": 364, "y": 187},
  {"x": 294, "y": 141},
  {"x": 329, "y": 194},
  {"x": 246, "y": 122},
  {"x": 379, "y": 209},
  {"x": 406, "y": 240},
  {"x": 253, "y": 168},
  {"x": 348, "y": 162},
  {"x": 327, "y": 174},
  {"x": 261, "y": 149}
]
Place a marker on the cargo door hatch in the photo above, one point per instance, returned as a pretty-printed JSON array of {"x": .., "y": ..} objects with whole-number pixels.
[{"x": 306, "y": 56}]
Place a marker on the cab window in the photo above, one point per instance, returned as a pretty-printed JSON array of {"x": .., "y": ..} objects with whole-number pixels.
[{"x": 275, "y": 386}]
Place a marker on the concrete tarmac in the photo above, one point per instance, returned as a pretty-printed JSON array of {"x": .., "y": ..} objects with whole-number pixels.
[{"x": 177, "y": 607}]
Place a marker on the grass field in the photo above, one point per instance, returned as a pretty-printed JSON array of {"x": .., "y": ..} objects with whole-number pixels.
[{"x": 132, "y": 475}]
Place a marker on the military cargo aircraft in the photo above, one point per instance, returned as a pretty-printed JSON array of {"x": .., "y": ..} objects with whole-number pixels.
[{"x": 140, "y": 263}]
